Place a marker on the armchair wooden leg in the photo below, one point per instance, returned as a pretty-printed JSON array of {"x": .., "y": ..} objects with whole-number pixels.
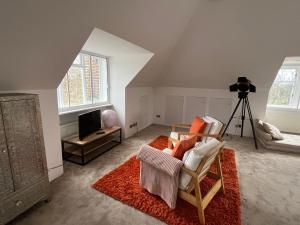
[
  {"x": 199, "y": 201},
  {"x": 219, "y": 172},
  {"x": 222, "y": 155}
]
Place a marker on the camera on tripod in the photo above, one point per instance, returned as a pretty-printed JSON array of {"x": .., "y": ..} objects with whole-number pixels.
[{"x": 243, "y": 86}]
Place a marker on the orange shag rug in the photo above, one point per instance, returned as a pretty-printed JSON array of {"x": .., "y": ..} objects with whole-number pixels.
[{"x": 123, "y": 184}]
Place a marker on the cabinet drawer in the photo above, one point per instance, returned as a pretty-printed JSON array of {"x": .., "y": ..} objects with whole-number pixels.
[{"x": 22, "y": 200}]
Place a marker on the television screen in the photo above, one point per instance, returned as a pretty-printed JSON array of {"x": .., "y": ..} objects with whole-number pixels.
[{"x": 89, "y": 123}]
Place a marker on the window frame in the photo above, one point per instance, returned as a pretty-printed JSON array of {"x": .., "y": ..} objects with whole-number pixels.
[
  {"x": 72, "y": 109},
  {"x": 296, "y": 97}
]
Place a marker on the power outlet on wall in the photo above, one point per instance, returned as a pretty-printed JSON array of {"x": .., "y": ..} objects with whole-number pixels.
[{"x": 133, "y": 125}]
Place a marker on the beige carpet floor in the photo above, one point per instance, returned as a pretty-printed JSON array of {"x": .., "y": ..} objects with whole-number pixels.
[{"x": 270, "y": 188}]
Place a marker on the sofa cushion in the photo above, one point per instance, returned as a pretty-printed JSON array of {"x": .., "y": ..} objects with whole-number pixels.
[
  {"x": 263, "y": 134},
  {"x": 193, "y": 159},
  {"x": 260, "y": 124},
  {"x": 274, "y": 131},
  {"x": 290, "y": 143}
]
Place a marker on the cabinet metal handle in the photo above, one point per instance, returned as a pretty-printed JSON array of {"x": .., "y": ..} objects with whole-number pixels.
[
  {"x": 4, "y": 151},
  {"x": 18, "y": 203}
]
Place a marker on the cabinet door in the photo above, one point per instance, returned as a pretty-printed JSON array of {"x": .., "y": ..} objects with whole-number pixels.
[
  {"x": 6, "y": 181},
  {"x": 23, "y": 141}
]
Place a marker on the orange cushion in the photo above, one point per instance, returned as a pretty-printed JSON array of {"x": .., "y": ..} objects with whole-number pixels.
[
  {"x": 198, "y": 125},
  {"x": 182, "y": 146}
]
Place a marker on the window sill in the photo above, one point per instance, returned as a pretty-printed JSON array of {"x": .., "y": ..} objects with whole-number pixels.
[
  {"x": 83, "y": 109},
  {"x": 279, "y": 108}
]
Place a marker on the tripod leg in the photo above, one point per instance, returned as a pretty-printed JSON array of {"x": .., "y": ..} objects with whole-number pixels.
[
  {"x": 251, "y": 122},
  {"x": 243, "y": 115},
  {"x": 227, "y": 125}
]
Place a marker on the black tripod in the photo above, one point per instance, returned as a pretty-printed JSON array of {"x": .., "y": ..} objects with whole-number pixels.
[{"x": 243, "y": 97}]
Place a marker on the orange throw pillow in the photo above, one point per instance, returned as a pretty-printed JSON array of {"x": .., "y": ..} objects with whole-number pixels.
[
  {"x": 182, "y": 146},
  {"x": 198, "y": 125}
]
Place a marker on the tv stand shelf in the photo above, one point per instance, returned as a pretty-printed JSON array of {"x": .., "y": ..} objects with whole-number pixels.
[{"x": 83, "y": 151}]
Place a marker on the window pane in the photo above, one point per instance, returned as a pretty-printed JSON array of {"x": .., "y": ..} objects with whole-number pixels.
[
  {"x": 75, "y": 76},
  {"x": 99, "y": 79},
  {"x": 95, "y": 67},
  {"x": 87, "y": 79},
  {"x": 282, "y": 90},
  {"x": 85, "y": 82},
  {"x": 281, "y": 93}
]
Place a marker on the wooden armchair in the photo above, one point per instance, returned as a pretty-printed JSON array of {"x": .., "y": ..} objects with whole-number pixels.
[
  {"x": 178, "y": 135},
  {"x": 195, "y": 198}
]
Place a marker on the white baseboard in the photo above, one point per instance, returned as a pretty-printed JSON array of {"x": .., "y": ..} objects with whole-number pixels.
[{"x": 55, "y": 173}]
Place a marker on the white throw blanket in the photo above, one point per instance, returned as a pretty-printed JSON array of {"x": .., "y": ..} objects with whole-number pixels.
[{"x": 159, "y": 173}]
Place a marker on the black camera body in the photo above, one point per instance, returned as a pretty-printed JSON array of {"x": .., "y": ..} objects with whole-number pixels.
[{"x": 243, "y": 86}]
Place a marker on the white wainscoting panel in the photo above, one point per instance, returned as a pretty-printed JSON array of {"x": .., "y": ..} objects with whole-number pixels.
[
  {"x": 174, "y": 109},
  {"x": 69, "y": 129},
  {"x": 220, "y": 108},
  {"x": 194, "y": 106}
]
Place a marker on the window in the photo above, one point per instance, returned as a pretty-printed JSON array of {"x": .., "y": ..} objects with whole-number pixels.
[
  {"x": 285, "y": 91},
  {"x": 85, "y": 84}
]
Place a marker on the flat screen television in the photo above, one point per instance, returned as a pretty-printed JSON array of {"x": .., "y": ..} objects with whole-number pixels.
[{"x": 88, "y": 123}]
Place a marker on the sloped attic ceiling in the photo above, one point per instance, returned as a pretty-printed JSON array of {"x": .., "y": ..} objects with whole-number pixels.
[
  {"x": 40, "y": 39},
  {"x": 232, "y": 37}
]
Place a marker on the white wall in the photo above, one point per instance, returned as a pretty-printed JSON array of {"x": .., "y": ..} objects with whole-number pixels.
[
  {"x": 122, "y": 70},
  {"x": 227, "y": 38},
  {"x": 125, "y": 62},
  {"x": 285, "y": 120},
  {"x": 51, "y": 130},
  {"x": 216, "y": 102},
  {"x": 139, "y": 108}
]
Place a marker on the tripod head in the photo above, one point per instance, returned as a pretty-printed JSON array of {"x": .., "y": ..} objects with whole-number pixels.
[{"x": 242, "y": 95}]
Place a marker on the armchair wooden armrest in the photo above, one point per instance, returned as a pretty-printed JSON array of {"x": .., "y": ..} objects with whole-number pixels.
[
  {"x": 189, "y": 172},
  {"x": 184, "y": 126}
]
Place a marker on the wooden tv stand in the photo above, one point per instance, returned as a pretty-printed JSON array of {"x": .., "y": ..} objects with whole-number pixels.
[{"x": 83, "y": 151}]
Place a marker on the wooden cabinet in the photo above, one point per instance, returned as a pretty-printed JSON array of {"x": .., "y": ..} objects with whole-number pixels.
[
  {"x": 23, "y": 169},
  {"x": 6, "y": 181}
]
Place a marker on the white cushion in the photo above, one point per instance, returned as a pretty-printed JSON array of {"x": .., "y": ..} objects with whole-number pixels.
[
  {"x": 260, "y": 124},
  {"x": 193, "y": 160},
  {"x": 215, "y": 128},
  {"x": 208, "y": 127},
  {"x": 274, "y": 131},
  {"x": 168, "y": 151},
  {"x": 186, "y": 154},
  {"x": 200, "y": 143},
  {"x": 263, "y": 134},
  {"x": 175, "y": 135}
]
